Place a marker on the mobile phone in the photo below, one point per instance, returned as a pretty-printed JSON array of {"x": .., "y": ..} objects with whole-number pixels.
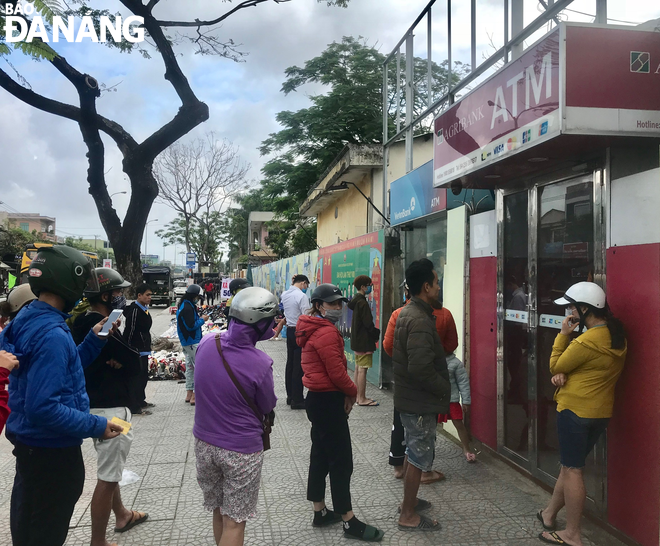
[{"x": 116, "y": 313}]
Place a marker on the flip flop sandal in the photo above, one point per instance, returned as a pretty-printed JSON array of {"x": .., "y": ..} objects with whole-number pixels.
[
  {"x": 134, "y": 521},
  {"x": 371, "y": 404},
  {"x": 539, "y": 516},
  {"x": 371, "y": 534},
  {"x": 422, "y": 505},
  {"x": 556, "y": 539},
  {"x": 425, "y": 524}
]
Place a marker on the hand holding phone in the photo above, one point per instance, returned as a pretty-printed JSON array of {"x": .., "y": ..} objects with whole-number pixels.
[{"x": 109, "y": 323}]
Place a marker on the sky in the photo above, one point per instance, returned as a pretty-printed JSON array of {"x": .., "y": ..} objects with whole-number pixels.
[{"x": 42, "y": 157}]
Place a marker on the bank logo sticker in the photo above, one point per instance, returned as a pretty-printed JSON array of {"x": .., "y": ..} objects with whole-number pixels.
[
  {"x": 485, "y": 156},
  {"x": 526, "y": 136},
  {"x": 512, "y": 143},
  {"x": 498, "y": 149},
  {"x": 412, "y": 204},
  {"x": 640, "y": 61},
  {"x": 543, "y": 129}
]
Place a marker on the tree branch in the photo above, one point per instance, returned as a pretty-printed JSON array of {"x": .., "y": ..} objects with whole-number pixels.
[{"x": 197, "y": 23}]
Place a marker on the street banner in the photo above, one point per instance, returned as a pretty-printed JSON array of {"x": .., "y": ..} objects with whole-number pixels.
[{"x": 107, "y": 263}]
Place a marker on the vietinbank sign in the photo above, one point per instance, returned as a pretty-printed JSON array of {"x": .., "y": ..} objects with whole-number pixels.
[
  {"x": 22, "y": 24},
  {"x": 413, "y": 195},
  {"x": 580, "y": 79}
]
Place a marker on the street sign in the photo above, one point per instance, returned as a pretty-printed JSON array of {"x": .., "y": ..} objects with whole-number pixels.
[
  {"x": 107, "y": 263},
  {"x": 191, "y": 259}
]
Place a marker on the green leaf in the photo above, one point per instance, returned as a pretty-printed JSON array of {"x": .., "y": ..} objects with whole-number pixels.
[
  {"x": 36, "y": 49},
  {"x": 48, "y": 9},
  {"x": 4, "y": 49}
]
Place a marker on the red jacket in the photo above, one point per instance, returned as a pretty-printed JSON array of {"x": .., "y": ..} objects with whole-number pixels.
[
  {"x": 444, "y": 324},
  {"x": 4, "y": 397},
  {"x": 323, "y": 359}
]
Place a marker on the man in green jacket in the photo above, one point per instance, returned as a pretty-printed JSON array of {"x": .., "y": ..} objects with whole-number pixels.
[
  {"x": 421, "y": 386},
  {"x": 364, "y": 336}
]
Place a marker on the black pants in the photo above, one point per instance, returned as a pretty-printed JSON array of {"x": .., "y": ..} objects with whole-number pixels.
[
  {"x": 139, "y": 386},
  {"x": 331, "y": 450},
  {"x": 397, "y": 442},
  {"x": 209, "y": 298},
  {"x": 293, "y": 373},
  {"x": 48, "y": 483}
]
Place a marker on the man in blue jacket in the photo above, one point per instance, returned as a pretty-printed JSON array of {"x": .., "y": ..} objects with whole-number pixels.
[
  {"x": 49, "y": 405},
  {"x": 189, "y": 327}
]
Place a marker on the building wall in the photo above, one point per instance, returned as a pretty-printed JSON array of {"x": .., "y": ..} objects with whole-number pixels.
[{"x": 351, "y": 218}]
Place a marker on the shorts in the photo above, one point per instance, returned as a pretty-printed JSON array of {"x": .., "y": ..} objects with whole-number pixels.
[
  {"x": 455, "y": 413},
  {"x": 111, "y": 454},
  {"x": 420, "y": 433},
  {"x": 364, "y": 361},
  {"x": 577, "y": 437},
  {"x": 229, "y": 480}
]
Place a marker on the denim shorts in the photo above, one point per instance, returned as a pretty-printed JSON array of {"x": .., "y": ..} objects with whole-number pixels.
[
  {"x": 577, "y": 437},
  {"x": 420, "y": 433}
]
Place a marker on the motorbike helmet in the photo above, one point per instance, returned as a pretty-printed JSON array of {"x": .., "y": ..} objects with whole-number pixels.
[
  {"x": 584, "y": 293},
  {"x": 253, "y": 304},
  {"x": 63, "y": 271},
  {"x": 108, "y": 280},
  {"x": 18, "y": 297},
  {"x": 238, "y": 284},
  {"x": 327, "y": 293},
  {"x": 194, "y": 289}
]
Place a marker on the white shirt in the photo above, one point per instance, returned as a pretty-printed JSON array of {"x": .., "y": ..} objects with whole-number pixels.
[{"x": 295, "y": 303}]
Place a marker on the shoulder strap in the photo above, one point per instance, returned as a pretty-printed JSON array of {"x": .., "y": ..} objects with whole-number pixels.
[{"x": 240, "y": 388}]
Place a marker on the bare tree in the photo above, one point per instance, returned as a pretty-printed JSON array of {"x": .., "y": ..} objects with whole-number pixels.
[
  {"x": 199, "y": 178},
  {"x": 138, "y": 157}
]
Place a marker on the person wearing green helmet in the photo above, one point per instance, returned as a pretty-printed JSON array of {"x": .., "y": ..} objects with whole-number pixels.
[
  {"x": 49, "y": 404},
  {"x": 109, "y": 380}
]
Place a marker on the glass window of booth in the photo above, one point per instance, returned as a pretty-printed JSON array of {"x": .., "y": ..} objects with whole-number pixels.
[{"x": 426, "y": 238}]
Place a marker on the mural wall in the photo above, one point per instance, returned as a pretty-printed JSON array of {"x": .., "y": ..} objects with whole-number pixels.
[{"x": 337, "y": 264}]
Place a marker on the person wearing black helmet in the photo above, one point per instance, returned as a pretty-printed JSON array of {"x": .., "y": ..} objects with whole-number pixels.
[
  {"x": 330, "y": 400},
  {"x": 189, "y": 327},
  {"x": 49, "y": 404},
  {"x": 235, "y": 287},
  {"x": 109, "y": 381}
]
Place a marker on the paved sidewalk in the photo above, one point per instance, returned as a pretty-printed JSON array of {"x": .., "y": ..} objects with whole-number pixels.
[{"x": 478, "y": 505}]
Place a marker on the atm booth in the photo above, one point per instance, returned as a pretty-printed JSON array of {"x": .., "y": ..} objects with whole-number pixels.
[{"x": 568, "y": 137}]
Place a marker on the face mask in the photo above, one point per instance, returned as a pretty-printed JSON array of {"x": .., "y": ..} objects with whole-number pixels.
[
  {"x": 304, "y": 290},
  {"x": 118, "y": 302},
  {"x": 370, "y": 289},
  {"x": 333, "y": 315}
]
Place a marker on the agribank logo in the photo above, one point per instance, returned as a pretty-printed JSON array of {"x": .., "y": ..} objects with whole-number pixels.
[{"x": 18, "y": 29}]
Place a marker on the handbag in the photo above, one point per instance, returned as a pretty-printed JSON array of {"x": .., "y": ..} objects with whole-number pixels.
[{"x": 267, "y": 421}]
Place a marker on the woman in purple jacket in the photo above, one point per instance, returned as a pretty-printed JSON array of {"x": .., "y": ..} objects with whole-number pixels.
[{"x": 229, "y": 444}]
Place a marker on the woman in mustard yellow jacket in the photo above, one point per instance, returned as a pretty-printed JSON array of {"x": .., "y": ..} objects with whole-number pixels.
[{"x": 585, "y": 370}]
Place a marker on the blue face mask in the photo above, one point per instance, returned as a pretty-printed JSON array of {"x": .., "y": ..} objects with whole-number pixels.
[
  {"x": 304, "y": 290},
  {"x": 370, "y": 289}
]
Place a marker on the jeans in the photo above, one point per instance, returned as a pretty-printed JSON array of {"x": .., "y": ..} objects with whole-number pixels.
[
  {"x": 48, "y": 483},
  {"x": 189, "y": 351},
  {"x": 577, "y": 437},
  {"x": 293, "y": 373},
  {"x": 420, "y": 431},
  {"x": 331, "y": 450}
]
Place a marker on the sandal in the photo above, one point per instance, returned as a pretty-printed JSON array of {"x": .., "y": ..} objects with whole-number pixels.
[
  {"x": 370, "y": 404},
  {"x": 371, "y": 534},
  {"x": 438, "y": 477},
  {"x": 425, "y": 524},
  {"x": 556, "y": 539},
  {"x": 421, "y": 506},
  {"x": 539, "y": 516},
  {"x": 136, "y": 519}
]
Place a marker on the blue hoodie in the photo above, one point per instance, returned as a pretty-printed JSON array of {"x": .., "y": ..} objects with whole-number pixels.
[
  {"x": 189, "y": 324},
  {"x": 47, "y": 396}
]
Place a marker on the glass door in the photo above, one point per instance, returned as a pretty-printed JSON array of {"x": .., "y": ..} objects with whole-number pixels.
[{"x": 550, "y": 239}]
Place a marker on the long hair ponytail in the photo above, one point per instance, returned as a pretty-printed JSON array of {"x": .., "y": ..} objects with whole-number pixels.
[{"x": 614, "y": 325}]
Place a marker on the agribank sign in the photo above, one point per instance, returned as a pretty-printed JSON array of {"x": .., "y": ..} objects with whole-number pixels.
[
  {"x": 18, "y": 28},
  {"x": 580, "y": 79}
]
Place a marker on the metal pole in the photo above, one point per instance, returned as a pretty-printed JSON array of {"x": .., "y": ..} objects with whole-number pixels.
[
  {"x": 386, "y": 122},
  {"x": 410, "y": 99},
  {"x": 517, "y": 25},
  {"x": 473, "y": 34},
  {"x": 398, "y": 90},
  {"x": 449, "y": 61},
  {"x": 601, "y": 12},
  {"x": 429, "y": 55},
  {"x": 506, "y": 31}
]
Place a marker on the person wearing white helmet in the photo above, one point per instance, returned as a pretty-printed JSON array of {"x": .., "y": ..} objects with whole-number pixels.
[{"x": 585, "y": 370}]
